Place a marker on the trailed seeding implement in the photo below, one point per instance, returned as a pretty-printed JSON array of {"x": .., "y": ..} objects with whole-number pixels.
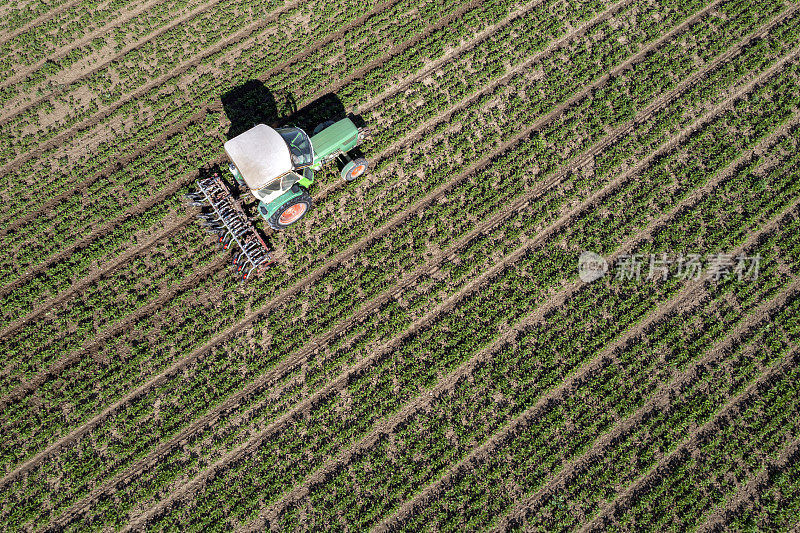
[
  {"x": 277, "y": 166},
  {"x": 230, "y": 223}
]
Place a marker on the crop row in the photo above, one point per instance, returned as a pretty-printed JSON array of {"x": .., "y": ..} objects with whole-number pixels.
[
  {"x": 101, "y": 304},
  {"x": 71, "y": 25},
  {"x": 380, "y": 386},
  {"x": 18, "y": 15},
  {"x": 776, "y": 507},
  {"x": 284, "y": 326},
  {"x": 699, "y": 478},
  {"x": 37, "y": 45},
  {"x": 519, "y": 376}
]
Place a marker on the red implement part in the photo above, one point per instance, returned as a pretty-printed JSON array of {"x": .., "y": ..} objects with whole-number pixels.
[{"x": 235, "y": 228}]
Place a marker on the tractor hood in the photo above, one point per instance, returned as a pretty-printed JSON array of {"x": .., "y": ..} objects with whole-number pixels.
[{"x": 260, "y": 154}]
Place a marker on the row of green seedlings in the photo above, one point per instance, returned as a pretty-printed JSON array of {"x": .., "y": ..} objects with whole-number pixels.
[
  {"x": 29, "y": 47},
  {"x": 776, "y": 506},
  {"x": 290, "y": 330},
  {"x": 693, "y": 487},
  {"x": 102, "y": 304},
  {"x": 17, "y": 16},
  {"x": 552, "y": 342},
  {"x": 374, "y": 389}
]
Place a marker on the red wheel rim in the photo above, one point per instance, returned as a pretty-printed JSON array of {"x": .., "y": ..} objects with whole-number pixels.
[
  {"x": 358, "y": 170},
  {"x": 292, "y": 214}
]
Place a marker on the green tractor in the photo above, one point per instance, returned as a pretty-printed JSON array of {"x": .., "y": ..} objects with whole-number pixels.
[{"x": 277, "y": 166}]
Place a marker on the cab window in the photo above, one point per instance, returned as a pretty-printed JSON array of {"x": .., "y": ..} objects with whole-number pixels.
[
  {"x": 299, "y": 145},
  {"x": 289, "y": 179}
]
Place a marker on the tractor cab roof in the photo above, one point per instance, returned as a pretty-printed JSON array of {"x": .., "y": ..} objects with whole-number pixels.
[{"x": 260, "y": 154}]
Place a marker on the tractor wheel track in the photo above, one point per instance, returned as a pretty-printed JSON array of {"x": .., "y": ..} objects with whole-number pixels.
[
  {"x": 341, "y": 380},
  {"x": 734, "y": 405},
  {"x": 346, "y": 254},
  {"x": 555, "y": 301}
]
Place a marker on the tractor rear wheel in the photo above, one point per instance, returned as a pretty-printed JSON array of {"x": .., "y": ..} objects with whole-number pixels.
[
  {"x": 354, "y": 169},
  {"x": 290, "y": 212}
]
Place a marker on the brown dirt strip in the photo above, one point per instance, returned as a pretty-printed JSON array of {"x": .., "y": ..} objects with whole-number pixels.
[
  {"x": 564, "y": 294},
  {"x": 730, "y": 405},
  {"x": 105, "y": 334},
  {"x": 750, "y": 492},
  {"x": 341, "y": 257},
  {"x": 44, "y": 17},
  {"x": 110, "y": 225},
  {"x": 341, "y": 380}
]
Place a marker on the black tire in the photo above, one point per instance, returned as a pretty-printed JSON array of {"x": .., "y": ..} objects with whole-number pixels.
[
  {"x": 275, "y": 221},
  {"x": 355, "y": 169}
]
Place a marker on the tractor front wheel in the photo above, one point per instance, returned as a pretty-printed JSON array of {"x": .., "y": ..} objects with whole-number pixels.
[
  {"x": 290, "y": 212},
  {"x": 355, "y": 168}
]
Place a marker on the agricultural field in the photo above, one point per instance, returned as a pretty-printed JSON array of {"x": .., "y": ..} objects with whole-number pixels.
[{"x": 566, "y": 294}]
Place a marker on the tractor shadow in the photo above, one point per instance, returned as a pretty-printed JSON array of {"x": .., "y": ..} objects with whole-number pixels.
[{"x": 253, "y": 103}]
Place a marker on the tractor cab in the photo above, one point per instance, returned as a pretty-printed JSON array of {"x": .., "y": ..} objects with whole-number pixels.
[{"x": 277, "y": 165}]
